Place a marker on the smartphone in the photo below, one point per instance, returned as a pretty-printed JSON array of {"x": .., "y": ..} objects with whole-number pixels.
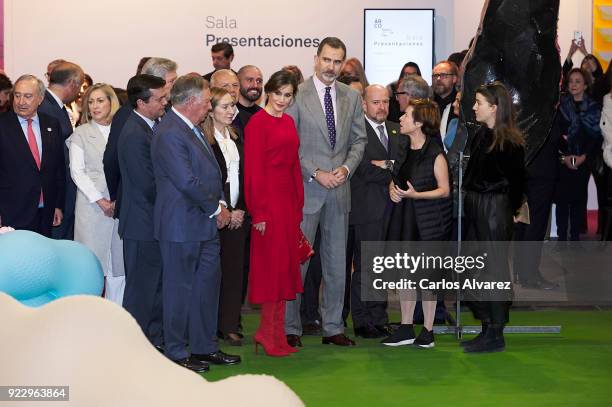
[{"x": 577, "y": 37}]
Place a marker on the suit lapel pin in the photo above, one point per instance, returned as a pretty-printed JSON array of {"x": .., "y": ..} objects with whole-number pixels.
[
  {"x": 393, "y": 131},
  {"x": 49, "y": 129}
]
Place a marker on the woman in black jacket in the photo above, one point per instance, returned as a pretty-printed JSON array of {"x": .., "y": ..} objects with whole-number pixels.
[
  {"x": 494, "y": 185},
  {"x": 422, "y": 210},
  {"x": 580, "y": 143}
]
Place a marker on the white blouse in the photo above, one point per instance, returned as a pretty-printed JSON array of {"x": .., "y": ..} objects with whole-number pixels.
[
  {"x": 232, "y": 161},
  {"x": 77, "y": 167}
]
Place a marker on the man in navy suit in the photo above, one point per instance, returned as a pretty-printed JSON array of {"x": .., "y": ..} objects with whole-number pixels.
[
  {"x": 162, "y": 68},
  {"x": 188, "y": 211},
  {"x": 65, "y": 82},
  {"x": 141, "y": 253},
  {"x": 31, "y": 162}
]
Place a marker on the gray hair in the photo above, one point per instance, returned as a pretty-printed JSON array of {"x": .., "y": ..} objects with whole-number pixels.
[
  {"x": 220, "y": 72},
  {"x": 416, "y": 87},
  {"x": 159, "y": 67},
  {"x": 39, "y": 83},
  {"x": 185, "y": 88}
]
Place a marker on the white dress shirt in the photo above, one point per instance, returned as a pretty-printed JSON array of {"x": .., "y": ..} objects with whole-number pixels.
[
  {"x": 320, "y": 87},
  {"x": 232, "y": 161}
]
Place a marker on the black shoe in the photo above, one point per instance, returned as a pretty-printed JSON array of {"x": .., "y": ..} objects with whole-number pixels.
[
  {"x": 404, "y": 335},
  {"x": 160, "y": 349},
  {"x": 218, "y": 358},
  {"x": 313, "y": 329},
  {"x": 492, "y": 341},
  {"x": 369, "y": 332},
  {"x": 193, "y": 364},
  {"x": 540, "y": 284},
  {"x": 425, "y": 339},
  {"x": 473, "y": 341},
  {"x": 294, "y": 341},
  {"x": 233, "y": 339}
]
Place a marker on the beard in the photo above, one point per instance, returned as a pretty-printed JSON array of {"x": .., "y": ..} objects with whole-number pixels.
[{"x": 251, "y": 94}]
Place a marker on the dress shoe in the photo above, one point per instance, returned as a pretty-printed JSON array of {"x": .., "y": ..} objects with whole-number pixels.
[
  {"x": 233, "y": 339},
  {"x": 313, "y": 329},
  {"x": 217, "y": 358},
  {"x": 193, "y": 364},
  {"x": 339, "y": 339},
  {"x": 369, "y": 332},
  {"x": 294, "y": 341}
]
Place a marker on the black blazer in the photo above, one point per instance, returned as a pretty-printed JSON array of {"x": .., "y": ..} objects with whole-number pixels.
[
  {"x": 240, "y": 204},
  {"x": 240, "y": 123},
  {"x": 138, "y": 181},
  {"x": 370, "y": 184},
  {"x": 50, "y": 107},
  {"x": 111, "y": 157},
  {"x": 20, "y": 178}
]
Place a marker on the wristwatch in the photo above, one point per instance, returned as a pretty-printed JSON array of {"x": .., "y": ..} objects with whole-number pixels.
[
  {"x": 389, "y": 165},
  {"x": 313, "y": 175}
]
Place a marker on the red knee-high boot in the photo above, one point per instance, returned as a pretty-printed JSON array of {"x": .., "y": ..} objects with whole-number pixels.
[
  {"x": 279, "y": 328},
  {"x": 265, "y": 333}
]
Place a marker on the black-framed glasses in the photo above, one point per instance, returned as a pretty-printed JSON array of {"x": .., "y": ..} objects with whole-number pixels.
[{"x": 442, "y": 75}]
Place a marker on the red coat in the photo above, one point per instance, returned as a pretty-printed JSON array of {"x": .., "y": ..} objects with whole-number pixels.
[{"x": 274, "y": 194}]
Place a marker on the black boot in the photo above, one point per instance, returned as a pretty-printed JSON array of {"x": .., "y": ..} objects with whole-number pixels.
[
  {"x": 477, "y": 338},
  {"x": 493, "y": 341}
]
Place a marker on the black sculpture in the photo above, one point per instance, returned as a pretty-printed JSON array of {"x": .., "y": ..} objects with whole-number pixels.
[{"x": 516, "y": 44}]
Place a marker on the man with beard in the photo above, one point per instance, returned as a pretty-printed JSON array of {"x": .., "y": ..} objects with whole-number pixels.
[
  {"x": 329, "y": 119},
  {"x": 251, "y": 86},
  {"x": 227, "y": 79},
  {"x": 443, "y": 79}
]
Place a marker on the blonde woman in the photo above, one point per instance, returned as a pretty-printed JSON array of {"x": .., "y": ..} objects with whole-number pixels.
[{"x": 94, "y": 224}]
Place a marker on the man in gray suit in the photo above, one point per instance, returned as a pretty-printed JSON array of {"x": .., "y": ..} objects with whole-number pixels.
[{"x": 329, "y": 119}]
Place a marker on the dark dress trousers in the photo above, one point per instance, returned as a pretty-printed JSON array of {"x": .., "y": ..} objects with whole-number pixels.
[
  {"x": 370, "y": 185},
  {"x": 50, "y": 107},
  {"x": 143, "y": 264},
  {"x": 188, "y": 181},
  {"x": 20, "y": 179}
]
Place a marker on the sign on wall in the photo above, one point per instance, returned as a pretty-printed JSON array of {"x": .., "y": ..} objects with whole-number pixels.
[{"x": 393, "y": 37}]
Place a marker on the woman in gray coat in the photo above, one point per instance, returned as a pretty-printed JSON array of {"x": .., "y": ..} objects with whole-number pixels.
[{"x": 94, "y": 224}]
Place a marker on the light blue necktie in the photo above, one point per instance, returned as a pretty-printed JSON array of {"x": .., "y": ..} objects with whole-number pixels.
[{"x": 200, "y": 137}]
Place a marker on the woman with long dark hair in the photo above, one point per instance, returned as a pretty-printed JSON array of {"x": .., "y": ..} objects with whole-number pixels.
[
  {"x": 494, "y": 185},
  {"x": 275, "y": 196}
]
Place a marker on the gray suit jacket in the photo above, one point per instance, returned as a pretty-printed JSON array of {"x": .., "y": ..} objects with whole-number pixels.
[{"x": 315, "y": 148}]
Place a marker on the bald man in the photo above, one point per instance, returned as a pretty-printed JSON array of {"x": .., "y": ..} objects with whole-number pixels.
[
  {"x": 383, "y": 156},
  {"x": 228, "y": 80}
]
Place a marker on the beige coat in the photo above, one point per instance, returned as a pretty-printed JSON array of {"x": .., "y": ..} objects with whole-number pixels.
[{"x": 606, "y": 129}]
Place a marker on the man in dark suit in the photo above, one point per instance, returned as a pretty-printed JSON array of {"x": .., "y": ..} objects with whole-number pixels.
[
  {"x": 189, "y": 208},
  {"x": 32, "y": 168},
  {"x": 160, "y": 67},
  {"x": 226, "y": 79},
  {"x": 65, "y": 82},
  {"x": 385, "y": 151},
  {"x": 222, "y": 55},
  {"x": 142, "y": 256}
]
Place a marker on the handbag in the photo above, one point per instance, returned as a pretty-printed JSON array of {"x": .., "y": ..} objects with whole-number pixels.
[{"x": 305, "y": 250}]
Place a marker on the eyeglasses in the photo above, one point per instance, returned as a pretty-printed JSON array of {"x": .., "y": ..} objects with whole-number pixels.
[{"x": 442, "y": 75}]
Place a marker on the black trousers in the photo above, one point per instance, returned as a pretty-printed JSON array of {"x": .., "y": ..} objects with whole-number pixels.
[
  {"x": 41, "y": 223},
  {"x": 232, "y": 277},
  {"x": 540, "y": 193},
  {"x": 309, "y": 308},
  {"x": 571, "y": 201},
  {"x": 143, "y": 286},
  {"x": 364, "y": 313},
  {"x": 488, "y": 218}
]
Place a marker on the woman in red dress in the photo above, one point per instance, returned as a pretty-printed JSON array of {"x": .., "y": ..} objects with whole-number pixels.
[{"x": 275, "y": 196}]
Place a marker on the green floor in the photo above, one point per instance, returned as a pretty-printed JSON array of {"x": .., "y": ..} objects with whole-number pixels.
[{"x": 571, "y": 369}]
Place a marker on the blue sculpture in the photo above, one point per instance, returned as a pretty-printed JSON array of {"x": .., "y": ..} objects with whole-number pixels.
[{"x": 36, "y": 270}]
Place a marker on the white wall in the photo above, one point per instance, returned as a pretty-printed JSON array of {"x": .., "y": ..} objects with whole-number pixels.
[{"x": 108, "y": 37}]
